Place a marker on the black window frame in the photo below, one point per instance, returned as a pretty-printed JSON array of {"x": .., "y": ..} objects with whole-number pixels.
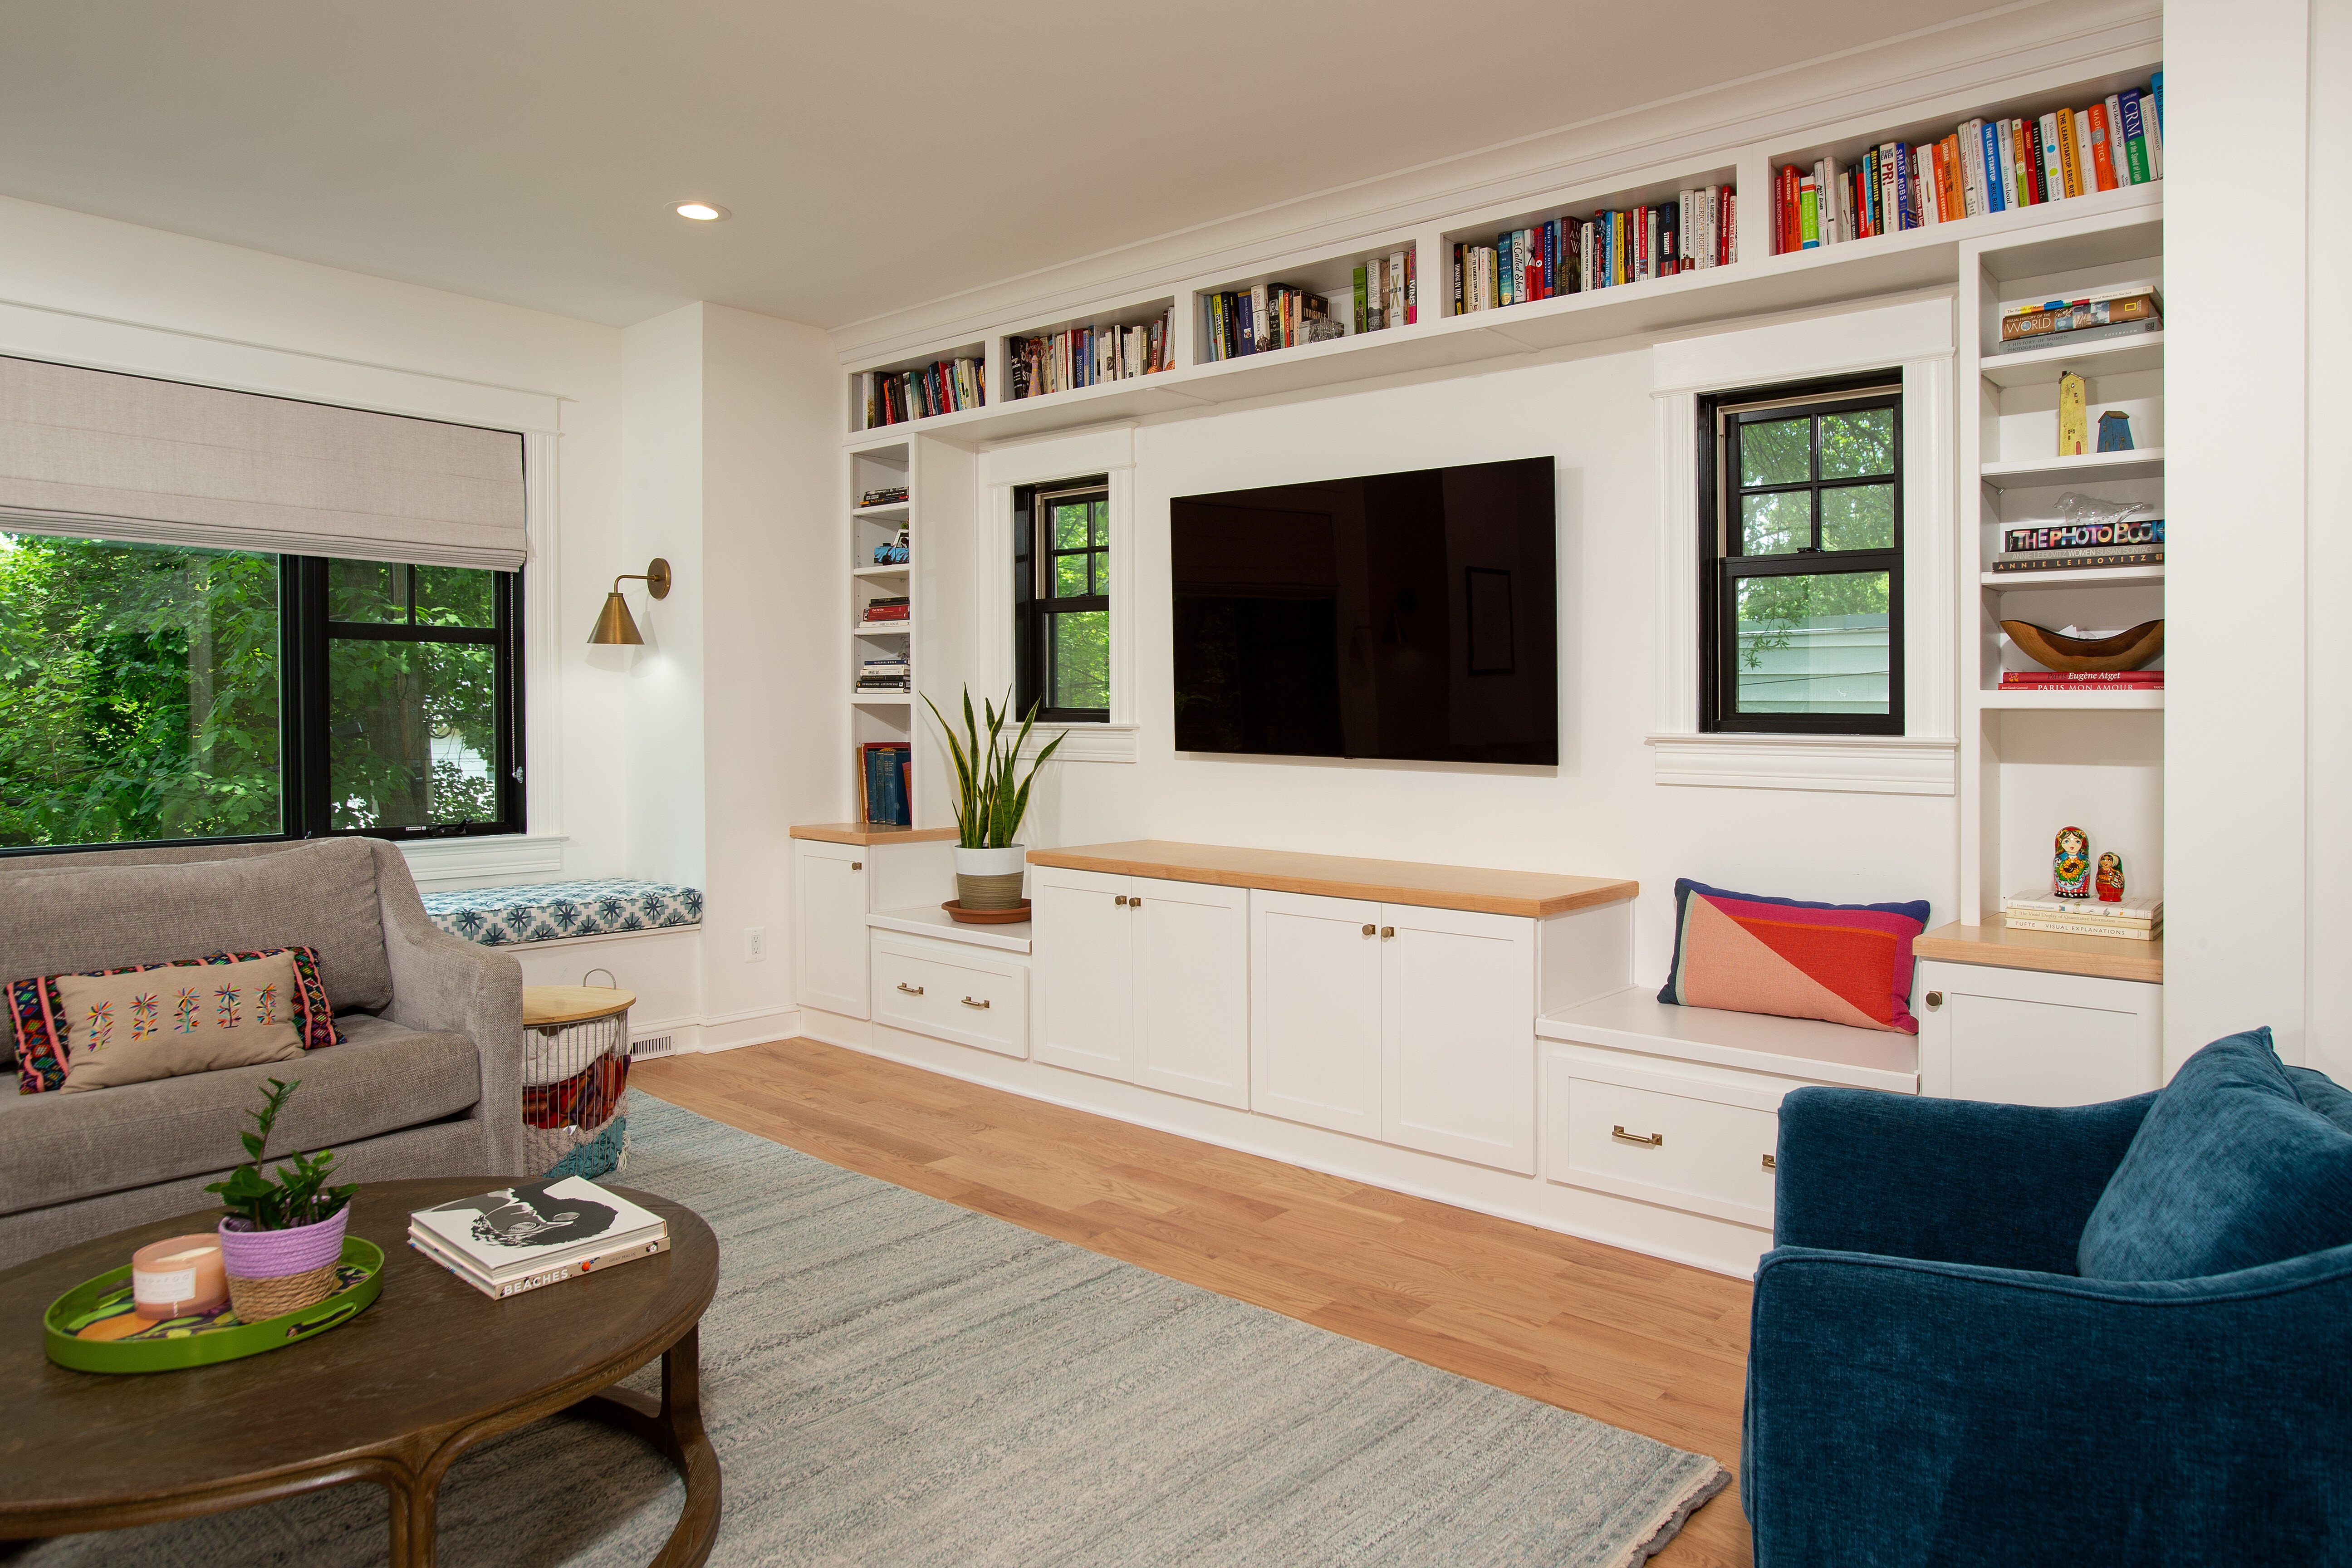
[
  {"x": 1033, "y": 604},
  {"x": 305, "y": 632},
  {"x": 1723, "y": 563}
]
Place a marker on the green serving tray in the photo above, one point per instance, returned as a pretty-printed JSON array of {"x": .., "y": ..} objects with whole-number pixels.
[{"x": 201, "y": 1340}]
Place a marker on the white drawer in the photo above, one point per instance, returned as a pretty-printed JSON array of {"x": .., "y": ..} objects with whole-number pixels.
[
  {"x": 1686, "y": 1143},
  {"x": 952, "y": 992}
]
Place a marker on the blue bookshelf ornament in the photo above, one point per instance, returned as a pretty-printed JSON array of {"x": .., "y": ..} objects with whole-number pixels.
[{"x": 2115, "y": 431}]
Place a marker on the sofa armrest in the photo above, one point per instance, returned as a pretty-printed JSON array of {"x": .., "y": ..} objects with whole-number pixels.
[
  {"x": 1908, "y": 1412},
  {"x": 447, "y": 984},
  {"x": 1957, "y": 1180}
]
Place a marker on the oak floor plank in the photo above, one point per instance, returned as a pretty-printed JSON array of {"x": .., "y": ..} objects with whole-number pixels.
[{"x": 1653, "y": 1346}]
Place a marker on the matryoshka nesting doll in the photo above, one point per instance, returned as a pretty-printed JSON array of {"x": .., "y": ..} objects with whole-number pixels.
[
  {"x": 2111, "y": 877},
  {"x": 2070, "y": 869}
]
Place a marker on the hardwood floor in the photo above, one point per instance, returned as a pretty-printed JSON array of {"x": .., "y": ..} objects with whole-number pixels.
[{"x": 1652, "y": 1346}]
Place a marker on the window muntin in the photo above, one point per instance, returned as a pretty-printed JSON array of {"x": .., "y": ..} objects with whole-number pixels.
[
  {"x": 1062, "y": 601},
  {"x": 1803, "y": 571}
]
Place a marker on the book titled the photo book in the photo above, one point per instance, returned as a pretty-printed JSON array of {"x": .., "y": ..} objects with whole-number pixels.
[{"x": 533, "y": 1234}]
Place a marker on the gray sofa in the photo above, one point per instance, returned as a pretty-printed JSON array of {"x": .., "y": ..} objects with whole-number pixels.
[{"x": 427, "y": 1081}]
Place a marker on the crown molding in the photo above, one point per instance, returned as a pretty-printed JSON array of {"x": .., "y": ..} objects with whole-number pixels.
[{"x": 2019, "y": 49}]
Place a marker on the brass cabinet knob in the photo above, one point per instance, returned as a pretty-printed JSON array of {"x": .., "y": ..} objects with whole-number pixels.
[
  {"x": 1387, "y": 931},
  {"x": 1370, "y": 929},
  {"x": 1135, "y": 903},
  {"x": 1120, "y": 901},
  {"x": 1935, "y": 998},
  {"x": 858, "y": 865}
]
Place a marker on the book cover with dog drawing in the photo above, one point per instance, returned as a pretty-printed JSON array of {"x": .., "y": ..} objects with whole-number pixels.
[{"x": 535, "y": 1227}]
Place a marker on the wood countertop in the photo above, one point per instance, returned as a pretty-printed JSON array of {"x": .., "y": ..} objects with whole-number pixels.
[
  {"x": 2051, "y": 951},
  {"x": 867, "y": 833},
  {"x": 1494, "y": 892}
]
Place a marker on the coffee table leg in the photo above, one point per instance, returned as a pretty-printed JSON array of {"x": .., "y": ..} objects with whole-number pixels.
[
  {"x": 675, "y": 1427},
  {"x": 414, "y": 1523}
]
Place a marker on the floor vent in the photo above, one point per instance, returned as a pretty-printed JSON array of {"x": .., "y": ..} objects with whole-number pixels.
[{"x": 653, "y": 1045}]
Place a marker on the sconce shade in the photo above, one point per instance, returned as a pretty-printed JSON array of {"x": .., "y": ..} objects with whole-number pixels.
[{"x": 615, "y": 623}]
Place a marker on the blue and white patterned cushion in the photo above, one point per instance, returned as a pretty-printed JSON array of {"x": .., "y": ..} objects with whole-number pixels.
[{"x": 550, "y": 912}]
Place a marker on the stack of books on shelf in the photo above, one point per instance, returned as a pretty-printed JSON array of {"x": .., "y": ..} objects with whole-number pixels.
[
  {"x": 2129, "y": 311},
  {"x": 1268, "y": 317},
  {"x": 1086, "y": 356},
  {"x": 884, "y": 783},
  {"x": 893, "y": 608},
  {"x": 2055, "y": 547},
  {"x": 885, "y": 675},
  {"x": 2128, "y": 919},
  {"x": 1571, "y": 255},
  {"x": 895, "y": 396},
  {"x": 1983, "y": 166},
  {"x": 534, "y": 1234},
  {"x": 888, "y": 495},
  {"x": 2082, "y": 680}
]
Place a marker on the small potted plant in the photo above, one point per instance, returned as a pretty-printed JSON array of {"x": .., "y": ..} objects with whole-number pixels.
[
  {"x": 283, "y": 1235},
  {"x": 990, "y": 802}
]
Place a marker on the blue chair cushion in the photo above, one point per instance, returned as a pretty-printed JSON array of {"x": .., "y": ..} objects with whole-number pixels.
[{"x": 2232, "y": 1168}]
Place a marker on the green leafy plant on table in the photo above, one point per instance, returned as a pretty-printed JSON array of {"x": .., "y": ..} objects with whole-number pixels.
[{"x": 298, "y": 1194}]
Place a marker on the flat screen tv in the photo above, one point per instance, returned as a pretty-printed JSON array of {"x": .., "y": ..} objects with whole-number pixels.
[{"x": 1410, "y": 617}]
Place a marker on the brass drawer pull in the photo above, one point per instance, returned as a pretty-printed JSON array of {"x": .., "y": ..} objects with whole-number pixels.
[
  {"x": 1655, "y": 1140},
  {"x": 910, "y": 990},
  {"x": 1770, "y": 1163},
  {"x": 1120, "y": 901},
  {"x": 970, "y": 1002}
]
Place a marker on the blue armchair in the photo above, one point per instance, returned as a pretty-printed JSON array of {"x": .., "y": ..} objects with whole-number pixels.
[{"x": 1929, "y": 1381}]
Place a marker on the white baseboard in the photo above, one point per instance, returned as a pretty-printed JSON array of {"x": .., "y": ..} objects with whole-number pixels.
[
  {"x": 1719, "y": 1247},
  {"x": 695, "y": 1036}
]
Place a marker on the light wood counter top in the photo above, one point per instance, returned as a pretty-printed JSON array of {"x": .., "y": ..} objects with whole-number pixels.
[
  {"x": 866, "y": 833},
  {"x": 1528, "y": 893},
  {"x": 2053, "y": 952}
]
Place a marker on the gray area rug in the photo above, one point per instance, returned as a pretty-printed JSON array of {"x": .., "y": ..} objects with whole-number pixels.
[{"x": 891, "y": 1380}]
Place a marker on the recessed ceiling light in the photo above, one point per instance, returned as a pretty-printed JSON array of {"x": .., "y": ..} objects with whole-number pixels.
[{"x": 701, "y": 211}]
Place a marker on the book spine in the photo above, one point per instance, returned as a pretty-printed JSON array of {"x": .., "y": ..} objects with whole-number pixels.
[
  {"x": 2151, "y": 119},
  {"x": 2074, "y": 141},
  {"x": 1461, "y": 301},
  {"x": 1361, "y": 303},
  {"x": 1412, "y": 286},
  {"x": 2103, "y": 156},
  {"x": 596, "y": 1262},
  {"x": 2077, "y": 928},
  {"x": 2053, "y": 156},
  {"x": 1730, "y": 225},
  {"x": 1971, "y": 165},
  {"x": 2134, "y": 139},
  {"x": 1808, "y": 215}
]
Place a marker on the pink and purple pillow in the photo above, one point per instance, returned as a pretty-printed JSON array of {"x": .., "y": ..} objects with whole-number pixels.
[{"x": 1842, "y": 963}]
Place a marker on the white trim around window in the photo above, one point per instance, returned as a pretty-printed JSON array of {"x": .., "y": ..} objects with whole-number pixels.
[
  {"x": 1916, "y": 336},
  {"x": 1109, "y": 451}
]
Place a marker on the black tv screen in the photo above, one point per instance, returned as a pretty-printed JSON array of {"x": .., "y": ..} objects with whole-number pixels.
[{"x": 1408, "y": 615}]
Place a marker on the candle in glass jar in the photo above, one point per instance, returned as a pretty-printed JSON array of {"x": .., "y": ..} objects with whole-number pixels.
[{"x": 174, "y": 1277}]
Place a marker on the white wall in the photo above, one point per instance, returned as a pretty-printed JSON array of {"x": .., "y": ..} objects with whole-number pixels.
[
  {"x": 2327, "y": 1043},
  {"x": 1598, "y": 813}
]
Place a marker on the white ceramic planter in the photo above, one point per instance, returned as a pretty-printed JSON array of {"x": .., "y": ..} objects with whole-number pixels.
[{"x": 990, "y": 878}]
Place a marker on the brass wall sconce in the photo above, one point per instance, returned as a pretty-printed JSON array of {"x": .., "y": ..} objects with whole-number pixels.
[{"x": 615, "y": 625}]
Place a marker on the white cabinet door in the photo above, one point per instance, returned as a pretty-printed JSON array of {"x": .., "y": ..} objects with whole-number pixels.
[
  {"x": 1315, "y": 1011},
  {"x": 2021, "y": 1037},
  {"x": 1082, "y": 935},
  {"x": 1192, "y": 989},
  {"x": 832, "y": 946},
  {"x": 1458, "y": 1043}
]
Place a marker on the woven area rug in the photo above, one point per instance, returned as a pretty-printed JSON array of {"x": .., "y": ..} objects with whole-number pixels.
[{"x": 893, "y": 1382}]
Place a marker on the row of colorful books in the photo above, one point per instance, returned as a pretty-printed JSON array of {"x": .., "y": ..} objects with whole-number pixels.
[
  {"x": 1570, "y": 255},
  {"x": 884, "y": 783},
  {"x": 1086, "y": 356},
  {"x": 1983, "y": 166},
  {"x": 2074, "y": 548},
  {"x": 1266, "y": 317},
  {"x": 2128, "y": 919},
  {"x": 536, "y": 1234},
  {"x": 895, "y": 396}
]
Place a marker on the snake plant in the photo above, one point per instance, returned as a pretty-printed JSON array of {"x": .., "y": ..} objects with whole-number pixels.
[{"x": 990, "y": 802}]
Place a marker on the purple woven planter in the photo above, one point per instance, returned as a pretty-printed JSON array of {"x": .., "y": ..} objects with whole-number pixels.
[{"x": 251, "y": 1254}]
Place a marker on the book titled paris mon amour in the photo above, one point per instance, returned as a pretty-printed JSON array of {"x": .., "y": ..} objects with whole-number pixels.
[{"x": 534, "y": 1234}]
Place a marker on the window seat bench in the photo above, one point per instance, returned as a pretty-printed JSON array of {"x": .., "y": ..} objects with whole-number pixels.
[{"x": 558, "y": 911}]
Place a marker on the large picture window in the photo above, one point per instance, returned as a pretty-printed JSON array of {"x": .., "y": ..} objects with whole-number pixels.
[
  {"x": 1061, "y": 600},
  {"x": 159, "y": 693},
  {"x": 1803, "y": 560}
]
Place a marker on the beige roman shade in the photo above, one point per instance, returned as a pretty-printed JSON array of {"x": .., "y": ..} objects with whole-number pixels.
[{"x": 126, "y": 457}]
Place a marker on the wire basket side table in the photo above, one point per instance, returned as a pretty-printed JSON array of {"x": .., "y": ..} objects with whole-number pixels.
[{"x": 575, "y": 1078}]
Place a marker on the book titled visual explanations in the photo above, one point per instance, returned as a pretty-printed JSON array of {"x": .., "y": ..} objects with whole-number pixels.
[
  {"x": 533, "y": 1234},
  {"x": 1983, "y": 166}
]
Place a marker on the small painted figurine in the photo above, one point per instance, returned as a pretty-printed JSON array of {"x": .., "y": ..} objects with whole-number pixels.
[
  {"x": 2070, "y": 869},
  {"x": 2111, "y": 877},
  {"x": 2115, "y": 431}
]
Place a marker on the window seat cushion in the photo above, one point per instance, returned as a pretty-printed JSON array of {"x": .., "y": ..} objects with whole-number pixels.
[{"x": 552, "y": 911}]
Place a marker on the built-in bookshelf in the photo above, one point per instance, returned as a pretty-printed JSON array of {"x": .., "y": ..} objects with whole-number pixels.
[
  {"x": 1086, "y": 354},
  {"x": 943, "y": 382},
  {"x": 875, "y": 576},
  {"x": 1705, "y": 201},
  {"x": 1389, "y": 272},
  {"x": 2034, "y": 761}
]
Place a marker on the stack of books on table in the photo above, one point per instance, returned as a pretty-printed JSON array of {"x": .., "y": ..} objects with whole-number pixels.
[
  {"x": 517, "y": 1238},
  {"x": 885, "y": 675},
  {"x": 2057, "y": 547},
  {"x": 2128, "y": 919}
]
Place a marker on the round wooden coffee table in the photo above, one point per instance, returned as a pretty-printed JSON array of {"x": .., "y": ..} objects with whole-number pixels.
[{"x": 393, "y": 1397}]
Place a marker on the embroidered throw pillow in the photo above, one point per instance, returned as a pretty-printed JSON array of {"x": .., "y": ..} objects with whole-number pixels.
[
  {"x": 1843, "y": 963},
  {"x": 75, "y": 1032}
]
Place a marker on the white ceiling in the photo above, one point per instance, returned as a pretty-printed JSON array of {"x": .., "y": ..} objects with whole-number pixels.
[{"x": 874, "y": 156}]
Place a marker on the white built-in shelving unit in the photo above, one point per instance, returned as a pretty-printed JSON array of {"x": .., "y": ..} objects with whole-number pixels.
[{"x": 879, "y": 716}]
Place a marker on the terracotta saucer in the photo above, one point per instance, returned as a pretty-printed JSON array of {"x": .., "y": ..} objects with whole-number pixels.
[{"x": 1013, "y": 916}]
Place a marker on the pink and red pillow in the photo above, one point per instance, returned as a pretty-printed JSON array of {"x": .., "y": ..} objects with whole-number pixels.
[
  {"x": 39, "y": 1027},
  {"x": 1842, "y": 963}
]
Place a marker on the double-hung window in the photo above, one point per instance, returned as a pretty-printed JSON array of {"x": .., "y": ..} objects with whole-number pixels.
[
  {"x": 165, "y": 693},
  {"x": 1061, "y": 600},
  {"x": 1802, "y": 545}
]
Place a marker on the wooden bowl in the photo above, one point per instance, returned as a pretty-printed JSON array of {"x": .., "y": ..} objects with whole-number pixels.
[{"x": 2124, "y": 650}]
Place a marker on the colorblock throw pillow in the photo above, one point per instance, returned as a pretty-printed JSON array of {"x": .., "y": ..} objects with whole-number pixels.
[
  {"x": 79, "y": 1032},
  {"x": 1842, "y": 963},
  {"x": 2241, "y": 1161}
]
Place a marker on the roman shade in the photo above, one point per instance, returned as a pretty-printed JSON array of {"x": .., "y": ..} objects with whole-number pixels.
[{"x": 128, "y": 457}]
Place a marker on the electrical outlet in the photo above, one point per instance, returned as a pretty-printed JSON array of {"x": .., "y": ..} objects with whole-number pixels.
[{"x": 755, "y": 943}]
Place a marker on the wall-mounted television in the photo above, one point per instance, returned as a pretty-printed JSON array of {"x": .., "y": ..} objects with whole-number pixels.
[{"x": 1410, "y": 616}]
